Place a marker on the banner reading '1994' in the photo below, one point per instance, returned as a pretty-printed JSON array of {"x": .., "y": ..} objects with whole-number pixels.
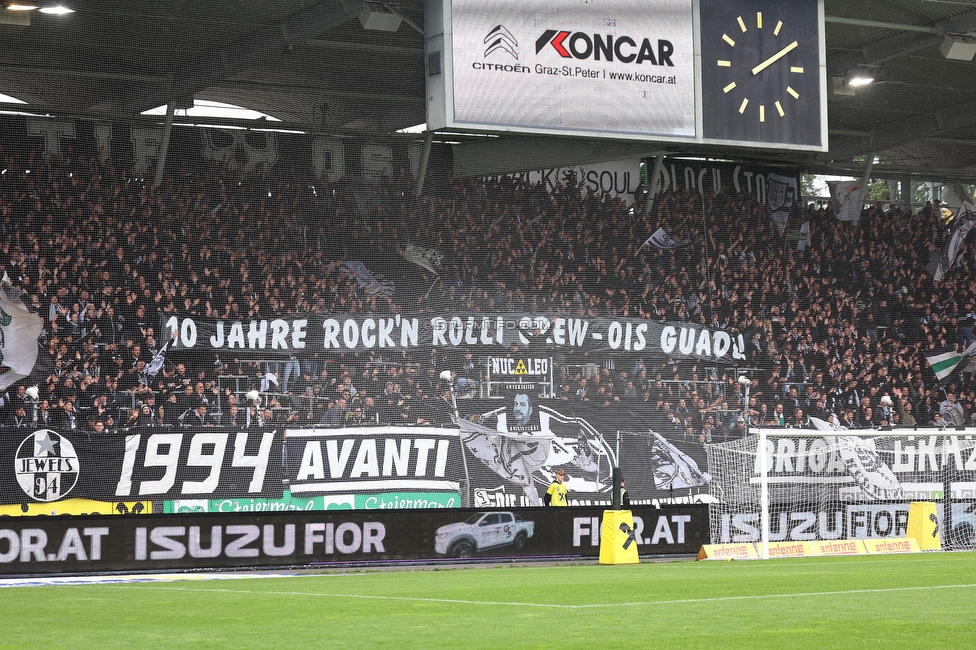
[{"x": 47, "y": 466}]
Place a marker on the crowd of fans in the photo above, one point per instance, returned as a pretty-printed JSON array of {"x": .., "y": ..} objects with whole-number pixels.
[{"x": 835, "y": 325}]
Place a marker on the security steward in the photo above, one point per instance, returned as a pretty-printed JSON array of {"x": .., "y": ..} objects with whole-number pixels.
[
  {"x": 556, "y": 494},
  {"x": 624, "y": 497}
]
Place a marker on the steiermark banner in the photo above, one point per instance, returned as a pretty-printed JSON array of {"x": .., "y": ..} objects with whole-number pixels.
[{"x": 290, "y": 503}]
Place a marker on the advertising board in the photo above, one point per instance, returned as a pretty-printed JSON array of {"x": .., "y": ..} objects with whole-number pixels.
[{"x": 194, "y": 541}]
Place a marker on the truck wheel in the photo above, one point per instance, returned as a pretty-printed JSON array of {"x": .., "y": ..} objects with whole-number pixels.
[
  {"x": 520, "y": 540},
  {"x": 463, "y": 549}
]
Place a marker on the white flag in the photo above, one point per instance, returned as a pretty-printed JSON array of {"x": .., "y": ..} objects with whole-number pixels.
[
  {"x": 960, "y": 230},
  {"x": 157, "y": 361},
  {"x": 674, "y": 468},
  {"x": 832, "y": 423},
  {"x": 19, "y": 329},
  {"x": 868, "y": 469},
  {"x": 780, "y": 195},
  {"x": 513, "y": 456},
  {"x": 429, "y": 258},
  {"x": 845, "y": 198},
  {"x": 944, "y": 362},
  {"x": 373, "y": 285},
  {"x": 663, "y": 241},
  {"x": 802, "y": 244},
  {"x": 267, "y": 379},
  {"x": 781, "y": 192}
]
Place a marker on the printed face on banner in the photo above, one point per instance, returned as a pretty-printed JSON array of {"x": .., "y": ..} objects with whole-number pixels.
[
  {"x": 521, "y": 415},
  {"x": 522, "y": 410},
  {"x": 517, "y": 466}
]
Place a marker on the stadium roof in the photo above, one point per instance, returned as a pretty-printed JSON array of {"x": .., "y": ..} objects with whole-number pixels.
[{"x": 312, "y": 65}]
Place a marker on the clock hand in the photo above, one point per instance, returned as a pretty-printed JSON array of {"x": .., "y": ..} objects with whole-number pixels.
[{"x": 774, "y": 58}]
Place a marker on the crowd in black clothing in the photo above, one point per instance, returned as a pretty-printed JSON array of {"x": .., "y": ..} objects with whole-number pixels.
[{"x": 832, "y": 325}]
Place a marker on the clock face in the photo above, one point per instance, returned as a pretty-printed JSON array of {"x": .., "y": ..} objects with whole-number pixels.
[{"x": 761, "y": 71}]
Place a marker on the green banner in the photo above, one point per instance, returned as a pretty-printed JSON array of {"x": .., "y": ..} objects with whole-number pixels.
[
  {"x": 286, "y": 503},
  {"x": 407, "y": 500},
  {"x": 383, "y": 501}
]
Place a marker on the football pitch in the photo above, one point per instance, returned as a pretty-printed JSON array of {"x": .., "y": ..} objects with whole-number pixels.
[{"x": 917, "y": 601}]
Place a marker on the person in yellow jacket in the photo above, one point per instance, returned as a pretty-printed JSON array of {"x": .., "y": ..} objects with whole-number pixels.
[{"x": 556, "y": 494}]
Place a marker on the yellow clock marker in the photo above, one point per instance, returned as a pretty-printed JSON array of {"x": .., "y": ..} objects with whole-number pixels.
[
  {"x": 742, "y": 23},
  {"x": 725, "y": 37},
  {"x": 729, "y": 87},
  {"x": 779, "y": 109},
  {"x": 762, "y": 113},
  {"x": 724, "y": 64},
  {"x": 742, "y": 107},
  {"x": 779, "y": 26},
  {"x": 797, "y": 69},
  {"x": 759, "y": 19},
  {"x": 792, "y": 92}
]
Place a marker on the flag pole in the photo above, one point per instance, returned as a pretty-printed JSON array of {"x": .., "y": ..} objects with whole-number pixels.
[{"x": 639, "y": 249}]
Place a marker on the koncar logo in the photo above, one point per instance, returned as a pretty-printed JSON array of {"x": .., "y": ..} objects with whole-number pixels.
[
  {"x": 46, "y": 465},
  {"x": 500, "y": 38},
  {"x": 580, "y": 45}
]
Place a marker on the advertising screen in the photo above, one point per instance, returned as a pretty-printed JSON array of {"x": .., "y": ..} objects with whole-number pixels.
[
  {"x": 565, "y": 65},
  {"x": 740, "y": 72}
]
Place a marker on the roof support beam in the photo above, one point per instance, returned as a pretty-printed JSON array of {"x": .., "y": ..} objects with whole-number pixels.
[
  {"x": 902, "y": 27},
  {"x": 256, "y": 47},
  {"x": 363, "y": 47},
  {"x": 913, "y": 127},
  {"x": 918, "y": 37},
  {"x": 255, "y": 86}
]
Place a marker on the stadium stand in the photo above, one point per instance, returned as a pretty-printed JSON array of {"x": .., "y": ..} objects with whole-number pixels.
[{"x": 831, "y": 326}]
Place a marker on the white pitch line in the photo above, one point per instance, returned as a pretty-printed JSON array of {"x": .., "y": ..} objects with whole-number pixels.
[
  {"x": 73, "y": 581},
  {"x": 646, "y": 603},
  {"x": 809, "y": 594}
]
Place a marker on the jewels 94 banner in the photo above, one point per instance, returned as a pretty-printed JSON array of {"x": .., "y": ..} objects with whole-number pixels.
[{"x": 45, "y": 466}]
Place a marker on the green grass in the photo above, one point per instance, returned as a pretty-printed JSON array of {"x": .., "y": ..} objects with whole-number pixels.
[{"x": 922, "y": 601}]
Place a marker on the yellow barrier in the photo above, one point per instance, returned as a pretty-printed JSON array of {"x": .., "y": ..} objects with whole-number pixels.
[
  {"x": 820, "y": 548},
  {"x": 923, "y": 525},
  {"x": 790, "y": 549},
  {"x": 728, "y": 552},
  {"x": 77, "y": 507},
  {"x": 839, "y": 547},
  {"x": 897, "y": 545},
  {"x": 618, "y": 539}
]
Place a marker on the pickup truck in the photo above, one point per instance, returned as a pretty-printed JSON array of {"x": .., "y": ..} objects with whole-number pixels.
[{"x": 482, "y": 531}]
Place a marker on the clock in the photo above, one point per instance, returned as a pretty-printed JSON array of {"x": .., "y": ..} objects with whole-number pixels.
[{"x": 761, "y": 71}]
